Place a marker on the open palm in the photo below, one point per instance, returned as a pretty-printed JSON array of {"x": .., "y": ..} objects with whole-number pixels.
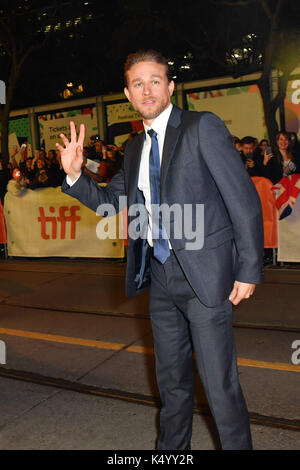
[{"x": 71, "y": 153}]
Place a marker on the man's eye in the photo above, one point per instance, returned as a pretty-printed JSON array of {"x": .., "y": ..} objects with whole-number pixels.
[
  {"x": 155, "y": 82},
  {"x": 138, "y": 84}
]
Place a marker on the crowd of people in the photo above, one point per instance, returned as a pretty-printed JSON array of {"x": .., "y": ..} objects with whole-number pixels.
[
  {"x": 44, "y": 170},
  {"x": 260, "y": 160}
]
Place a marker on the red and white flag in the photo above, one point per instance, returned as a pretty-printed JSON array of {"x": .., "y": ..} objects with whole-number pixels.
[{"x": 286, "y": 192}]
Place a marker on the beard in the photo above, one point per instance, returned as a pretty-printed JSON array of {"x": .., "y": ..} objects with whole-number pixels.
[{"x": 150, "y": 114}]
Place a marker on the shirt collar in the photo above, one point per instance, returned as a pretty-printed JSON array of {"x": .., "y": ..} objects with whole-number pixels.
[{"x": 159, "y": 125}]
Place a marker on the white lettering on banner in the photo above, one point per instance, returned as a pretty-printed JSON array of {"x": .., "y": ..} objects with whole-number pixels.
[
  {"x": 2, "y": 352},
  {"x": 296, "y": 354},
  {"x": 2, "y": 92},
  {"x": 63, "y": 219},
  {"x": 296, "y": 94}
]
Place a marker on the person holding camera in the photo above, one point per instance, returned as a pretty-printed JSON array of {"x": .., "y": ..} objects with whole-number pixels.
[
  {"x": 96, "y": 148},
  {"x": 283, "y": 162},
  {"x": 251, "y": 156},
  {"x": 42, "y": 177}
]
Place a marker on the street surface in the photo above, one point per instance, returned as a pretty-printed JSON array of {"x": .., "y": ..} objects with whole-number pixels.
[{"x": 67, "y": 319}]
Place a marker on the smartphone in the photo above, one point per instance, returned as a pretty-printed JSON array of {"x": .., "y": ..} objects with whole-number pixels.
[{"x": 269, "y": 150}]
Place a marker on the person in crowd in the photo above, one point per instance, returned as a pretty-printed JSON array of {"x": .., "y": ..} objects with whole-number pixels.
[
  {"x": 282, "y": 162},
  {"x": 130, "y": 136},
  {"x": 10, "y": 166},
  {"x": 96, "y": 145},
  {"x": 110, "y": 164},
  {"x": 27, "y": 171},
  {"x": 43, "y": 178},
  {"x": 95, "y": 176},
  {"x": 42, "y": 153},
  {"x": 237, "y": 143},
  {"x": 294, "y": 144},
  {"x": 192, "y": 288},
  {"x": 51, "y": 159},
  {"x": 263, "y": 144},
  {"x": 251, "y": 156},
  {"x": 13, "y": 162},
  {"x": 86, "y": 153},
  {"x": 35, "y": 158},
  {"x": 26, "y": 166},
  {"x": 60, "y": 173},
  {"x": 54, "y": 168}
]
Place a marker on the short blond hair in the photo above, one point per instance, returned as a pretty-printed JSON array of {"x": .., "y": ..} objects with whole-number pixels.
[{"x": 146, "y": 56}]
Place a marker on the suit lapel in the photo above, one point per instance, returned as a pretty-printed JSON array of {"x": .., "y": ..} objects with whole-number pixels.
[
  {"x": 134, "y": 166},
  {"x": 172, "y": 134}
]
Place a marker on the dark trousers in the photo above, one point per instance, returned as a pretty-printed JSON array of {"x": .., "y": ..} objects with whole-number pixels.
[{"x": 179, "y": 320}]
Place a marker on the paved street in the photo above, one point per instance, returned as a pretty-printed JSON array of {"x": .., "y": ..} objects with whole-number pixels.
[{"x": 69, "y": 320}]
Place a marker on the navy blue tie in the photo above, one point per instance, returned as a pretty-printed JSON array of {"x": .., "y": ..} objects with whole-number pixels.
[{"x": 160, "y": 244}]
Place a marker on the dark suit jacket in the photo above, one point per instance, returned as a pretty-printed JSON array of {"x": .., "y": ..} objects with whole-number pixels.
[{"x": 199, "y": 166}]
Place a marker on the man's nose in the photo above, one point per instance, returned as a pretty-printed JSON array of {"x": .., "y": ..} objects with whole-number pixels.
[{"x": 146, "y": 89}]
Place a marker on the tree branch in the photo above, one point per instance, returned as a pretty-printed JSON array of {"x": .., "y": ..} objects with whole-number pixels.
[
  {"x": 272, "y": 16},
  {"x": 267, "y": 9}
]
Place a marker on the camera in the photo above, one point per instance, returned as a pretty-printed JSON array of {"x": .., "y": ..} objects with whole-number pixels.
[{"x": 95, "y": 138}]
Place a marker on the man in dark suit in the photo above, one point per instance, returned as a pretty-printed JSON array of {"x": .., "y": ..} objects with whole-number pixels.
[{"x": 185, "y": 161}]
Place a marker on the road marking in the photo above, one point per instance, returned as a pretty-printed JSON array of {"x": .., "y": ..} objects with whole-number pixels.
[
  {"x": 62, "y": 339},
  {"x": 268, "y": 365},
  {"x": 135, "y": 349}
]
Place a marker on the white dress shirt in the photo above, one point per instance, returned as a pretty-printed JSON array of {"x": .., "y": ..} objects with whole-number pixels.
[{"x": 159, "y": 125}]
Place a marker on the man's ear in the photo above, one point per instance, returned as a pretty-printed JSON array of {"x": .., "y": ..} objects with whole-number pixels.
[
  {"x": 126, "y": 91},
  {"x": 171, "y": 87}
]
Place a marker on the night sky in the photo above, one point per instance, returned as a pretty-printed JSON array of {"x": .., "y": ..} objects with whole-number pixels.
[{"x": 86, "y": 42}]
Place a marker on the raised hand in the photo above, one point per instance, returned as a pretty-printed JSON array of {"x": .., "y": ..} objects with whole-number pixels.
[
  {"x": 267, "y": 157},
  {"x": 71, "y": 153}
]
